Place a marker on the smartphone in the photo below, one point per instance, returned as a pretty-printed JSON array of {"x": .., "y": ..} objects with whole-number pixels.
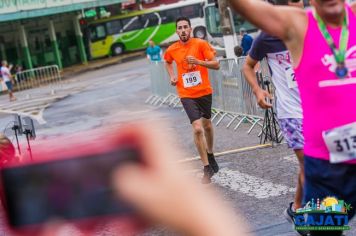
[{"x": 75, "y": 187}]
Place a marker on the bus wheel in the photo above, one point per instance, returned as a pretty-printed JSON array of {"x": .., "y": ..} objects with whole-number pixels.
[
  {"x": 117, "y": 49},
  {"x": 199, "y": 32}
]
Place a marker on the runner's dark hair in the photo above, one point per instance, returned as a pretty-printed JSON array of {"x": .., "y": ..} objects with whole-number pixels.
[{"x": 183, "y": 18}]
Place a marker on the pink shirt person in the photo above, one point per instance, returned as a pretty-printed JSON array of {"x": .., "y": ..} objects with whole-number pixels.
[{"x": 327, "y": 101}]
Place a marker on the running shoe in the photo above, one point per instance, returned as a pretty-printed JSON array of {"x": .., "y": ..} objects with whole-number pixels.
[
  {"x": 213, "y": 163},
  {"x": 208, "y": 173},
  {"x": 290, "y": 214}
]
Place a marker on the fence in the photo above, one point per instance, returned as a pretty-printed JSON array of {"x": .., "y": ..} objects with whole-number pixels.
[
  {"x": 48, "y": 75},
  {"x": 233, "y": 99},
  {"x": 162, "y": 91}
]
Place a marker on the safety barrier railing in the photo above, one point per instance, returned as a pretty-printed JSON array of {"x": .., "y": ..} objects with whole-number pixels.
[
  {"x": 33, "y": 78},
  {"x": 162, "y": 91},
  {"x": 233, "y": 99}
]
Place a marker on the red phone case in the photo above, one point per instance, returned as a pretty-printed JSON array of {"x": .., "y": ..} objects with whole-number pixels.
[{"x": 77, "y": 146}]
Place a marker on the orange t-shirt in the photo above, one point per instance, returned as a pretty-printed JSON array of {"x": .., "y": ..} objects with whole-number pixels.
[{"x": 201, "y": 50}]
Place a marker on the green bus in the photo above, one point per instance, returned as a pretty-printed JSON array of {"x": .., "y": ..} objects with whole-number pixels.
[
  {"x": 118, "y": 34},
  {"x": 130, "y": 32}
]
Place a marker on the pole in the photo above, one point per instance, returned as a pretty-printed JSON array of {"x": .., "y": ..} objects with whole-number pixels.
[
  {"x": 227, "y": 28},
  {"x": 25, "y": 48},
  {"x": 53, "y": 38},
  {"x": 28, "y": 134},
  {"x": 17, "y": 140}
]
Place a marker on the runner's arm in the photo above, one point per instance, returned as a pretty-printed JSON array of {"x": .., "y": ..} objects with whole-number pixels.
[
  {"x": 172, "y": 76},
  {"x": 275, "y": 20},
  {"x": 210, "y": 64},
  {"x": 250, "y": 76}
]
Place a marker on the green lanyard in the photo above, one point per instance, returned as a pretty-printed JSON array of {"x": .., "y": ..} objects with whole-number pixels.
[{"x": 339, "y": 54}]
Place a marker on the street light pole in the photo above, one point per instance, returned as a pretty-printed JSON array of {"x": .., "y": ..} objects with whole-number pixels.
[{"x": 227, "y": 27}]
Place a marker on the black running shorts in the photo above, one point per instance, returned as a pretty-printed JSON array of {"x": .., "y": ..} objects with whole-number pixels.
[{"x": 197, "y": 108}]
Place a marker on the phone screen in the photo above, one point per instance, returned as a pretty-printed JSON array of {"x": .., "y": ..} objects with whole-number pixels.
[{"x": 70, "y": 189}]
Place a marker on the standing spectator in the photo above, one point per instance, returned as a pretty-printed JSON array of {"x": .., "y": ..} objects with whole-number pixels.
[
  {"x": 7, "y": 77},
  {"x": 246, "y": 41},
  {"x": 154, "y": 52}
]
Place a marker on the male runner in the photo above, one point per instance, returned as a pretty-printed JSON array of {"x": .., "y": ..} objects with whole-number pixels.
[
  {"x": 322, "y": 42},
  {"x": 193, "y": 58},
  {"x": 289, "y": 111}
]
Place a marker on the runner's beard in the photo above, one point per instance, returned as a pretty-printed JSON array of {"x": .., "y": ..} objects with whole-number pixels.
[{"x": 184, "y": 38}]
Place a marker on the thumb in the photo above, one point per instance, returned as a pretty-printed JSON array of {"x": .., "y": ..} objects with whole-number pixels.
[{"x": 129, "y": 182}]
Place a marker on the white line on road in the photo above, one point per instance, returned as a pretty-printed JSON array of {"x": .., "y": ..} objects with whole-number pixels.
[
  {"x": 250, "y": 185},
  {"x": 244, "y": 149},
  {"x": 291, "y": 158}
]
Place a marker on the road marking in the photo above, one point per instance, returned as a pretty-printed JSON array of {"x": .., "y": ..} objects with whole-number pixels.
[
  {"x": 32, "y": 108},
  {"x": 244, "y": 149},
  {"x": 292, "y": 158},
  {"x": 250, "y": 185}
]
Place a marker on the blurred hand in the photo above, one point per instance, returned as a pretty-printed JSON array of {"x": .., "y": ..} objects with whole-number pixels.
[
  {"x": 192, "y": 60},
  {"x": 261, "y": 96},
  {"x": 174, "y": 80},
  {"x": 165, "y": 194}
]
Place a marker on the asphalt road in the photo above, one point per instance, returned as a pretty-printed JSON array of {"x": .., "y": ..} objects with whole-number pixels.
[{"x": 259, "y": 183}]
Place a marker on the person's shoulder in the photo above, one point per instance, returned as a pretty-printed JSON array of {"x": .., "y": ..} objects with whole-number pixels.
[
  {"x": 262, "y": 37},
  {"x": 353, "y": 7},
  {"x": 173, "y": 46}
]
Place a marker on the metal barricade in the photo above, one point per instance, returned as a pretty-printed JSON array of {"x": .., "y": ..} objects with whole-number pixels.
[
  {"x": 233, "y": 98},
  {"x": 162, "y": 91},
  {"x": 48, "y": 75}
]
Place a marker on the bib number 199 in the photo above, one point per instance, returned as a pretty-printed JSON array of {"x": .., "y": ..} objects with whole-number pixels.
[{"x": 191, "y": 79}]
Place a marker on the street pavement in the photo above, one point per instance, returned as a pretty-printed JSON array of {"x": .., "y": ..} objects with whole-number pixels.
[{"x": 258, "y": 181}]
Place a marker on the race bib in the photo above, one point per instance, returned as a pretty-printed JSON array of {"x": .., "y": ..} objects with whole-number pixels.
[
  {"x": 341, "y": 143},
  {"x": 192, "y": 79},
  {"x": 290, "y": 75}
]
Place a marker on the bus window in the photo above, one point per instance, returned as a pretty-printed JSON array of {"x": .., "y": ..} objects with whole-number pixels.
[
  {"x": 192, "y": 11},
  {"x": 169, "y": 16},
  {"x": 131, "y": 23},
  {"x": 212, "y": 21},
  {"x": 114, "y": 27},
  {"x": 149, "y": 20},
  {"x": 97, "y": 33}
]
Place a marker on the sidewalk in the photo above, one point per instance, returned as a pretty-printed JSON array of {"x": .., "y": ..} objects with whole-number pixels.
[{"x": 99, "y": 63}]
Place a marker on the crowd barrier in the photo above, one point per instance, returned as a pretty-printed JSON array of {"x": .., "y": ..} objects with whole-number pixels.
[
  {"x": 48, "y": 75},
  {"x": 233, "y": 99}
]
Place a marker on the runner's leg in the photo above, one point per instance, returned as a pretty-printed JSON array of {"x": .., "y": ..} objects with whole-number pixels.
[
  {"x": 209, "y": 134},
  {"x": 199, "y": 139},
  {"x": 299, "y": 192}
]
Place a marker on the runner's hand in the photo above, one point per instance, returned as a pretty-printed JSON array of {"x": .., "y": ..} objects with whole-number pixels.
[
  {"x": 261, "y": 96},
  {"x": 192, "y": 60},
  {"x": 174, "y": 80}
]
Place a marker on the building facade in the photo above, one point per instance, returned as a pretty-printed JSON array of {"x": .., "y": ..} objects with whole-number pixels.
[{"x": 36, "y": 33}]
